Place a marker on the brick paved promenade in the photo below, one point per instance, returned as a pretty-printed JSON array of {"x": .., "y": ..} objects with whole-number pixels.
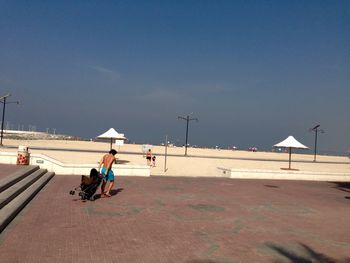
[
  {"x": 6, "y": 169},
  {"x": 191, "y": 220}
]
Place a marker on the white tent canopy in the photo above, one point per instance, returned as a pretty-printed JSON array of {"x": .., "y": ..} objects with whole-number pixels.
[
  {"x": 290, "y": 143},
  {"x": 112, "y": 134}
]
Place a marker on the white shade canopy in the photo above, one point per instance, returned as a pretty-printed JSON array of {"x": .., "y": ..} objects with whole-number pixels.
[
  {"x": 291, "y": 142},
  {"x": 112, "y": 134}
]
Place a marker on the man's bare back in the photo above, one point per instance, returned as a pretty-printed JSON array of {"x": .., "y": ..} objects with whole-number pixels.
[{"x": 108, "y": 160}]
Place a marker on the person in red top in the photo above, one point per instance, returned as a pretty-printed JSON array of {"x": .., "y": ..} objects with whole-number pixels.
[{"x": 149, "y": 157}]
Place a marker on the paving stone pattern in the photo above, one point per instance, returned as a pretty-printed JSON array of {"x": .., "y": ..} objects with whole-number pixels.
[
  {"x": 7, "y": 169},
  {"x": 192, "y": 220}
]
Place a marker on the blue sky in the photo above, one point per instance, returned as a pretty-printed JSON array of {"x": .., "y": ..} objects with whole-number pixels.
[{"x": 252, "y": 72}]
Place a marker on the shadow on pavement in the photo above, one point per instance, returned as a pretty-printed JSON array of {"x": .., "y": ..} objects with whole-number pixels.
[
  {"x": 113, "y": 193},
  {"x": 271, "y": 186},
  {"x": 122, "y": 161},
  {"x": 116, "y": 191},
  {"x": 343, "y": 186},
  {"x": 304, "y": 255},
  {"x": 203, "y": 261}
]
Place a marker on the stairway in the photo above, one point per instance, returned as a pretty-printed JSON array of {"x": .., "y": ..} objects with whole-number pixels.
[{"x": 17, "y": 189}]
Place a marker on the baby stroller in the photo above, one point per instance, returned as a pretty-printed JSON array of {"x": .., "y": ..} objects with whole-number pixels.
[{"x": 88, "y": 185}]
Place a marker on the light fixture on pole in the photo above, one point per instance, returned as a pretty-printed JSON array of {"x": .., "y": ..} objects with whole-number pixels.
[
  {"x": 187, "y": 119},
  {"x": 4, "y": 102},
  {"x": 316, "y": 130}
]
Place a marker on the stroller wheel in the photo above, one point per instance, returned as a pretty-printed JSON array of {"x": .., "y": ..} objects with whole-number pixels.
[
  {"x": 82, "y": 195},
  {"x": 71, "y": 192}
]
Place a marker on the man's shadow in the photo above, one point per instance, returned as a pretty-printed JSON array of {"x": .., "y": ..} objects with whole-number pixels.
[
  {"x": 113, "y": 193},
  {"x": 116, "y": 191},
  {"x": 343, "y": 186}
]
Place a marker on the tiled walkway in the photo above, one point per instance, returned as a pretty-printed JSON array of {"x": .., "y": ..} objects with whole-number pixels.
[
  {"x": 192, "y": 220},
  {"x": 8, "y": 169}
]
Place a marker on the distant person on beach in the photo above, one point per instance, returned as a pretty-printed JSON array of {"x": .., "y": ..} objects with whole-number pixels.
[
  {"x": 106, "y": 162},
  {"x": 149, "y": 157},
  {"x": 154, "y": 161}
]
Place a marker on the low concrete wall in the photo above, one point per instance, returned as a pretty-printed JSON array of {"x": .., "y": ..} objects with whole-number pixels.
[
  {"x": 53, "y": 165},
  {"x": 283, "y": 175},
  {"x": 224, "y": 172}
]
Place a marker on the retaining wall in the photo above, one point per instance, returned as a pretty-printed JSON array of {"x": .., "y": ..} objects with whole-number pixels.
[
  {"x": 283, "y": 175},
  {"x": 52, "y": 165}
]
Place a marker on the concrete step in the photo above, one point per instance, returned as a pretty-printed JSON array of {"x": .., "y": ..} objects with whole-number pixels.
[
  {"x": 10, "y": 193},
  {"x": 13, "y": 178},
  {"x": 9, "y": 212}
]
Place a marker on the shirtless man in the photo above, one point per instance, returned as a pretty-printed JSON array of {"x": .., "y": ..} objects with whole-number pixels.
[{"x": 107, "y": 160}]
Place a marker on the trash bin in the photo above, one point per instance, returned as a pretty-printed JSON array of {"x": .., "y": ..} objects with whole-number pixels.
[{"x": 23, "y": 156}]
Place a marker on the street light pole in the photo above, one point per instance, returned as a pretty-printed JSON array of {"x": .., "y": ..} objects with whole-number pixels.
[
  {"x": 4, "y": 102},
  {"x": 3, "y": 117},
  {"x": 166, "y": 152},
  {"x": 187, "y": 119},
  {"x": 316, "y": 130}
]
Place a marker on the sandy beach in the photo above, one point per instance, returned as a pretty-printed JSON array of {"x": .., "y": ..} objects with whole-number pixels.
[{"x": 199, "y": 162}]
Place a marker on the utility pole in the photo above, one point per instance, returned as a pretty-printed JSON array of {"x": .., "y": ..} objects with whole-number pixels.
[
  {"x": 166, "y": 152},
  {"x": 316, "y": 130},
  {"x": 187, "y": 119},
  {"x": 4, "y": 102}
]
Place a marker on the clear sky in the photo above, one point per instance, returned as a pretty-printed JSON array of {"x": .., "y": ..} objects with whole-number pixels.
[{"x": 252, "y": 72}]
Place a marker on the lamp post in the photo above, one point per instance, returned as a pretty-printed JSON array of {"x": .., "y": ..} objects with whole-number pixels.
[
  {"x": 187, "y": 119},
  {"x": 316, "y": 130},
  {"x": 166, "y": 152},
  {"x": 4, "y": 102}
]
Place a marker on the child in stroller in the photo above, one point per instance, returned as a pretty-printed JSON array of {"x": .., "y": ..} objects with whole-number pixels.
[{"x": 88, "y": 185}]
